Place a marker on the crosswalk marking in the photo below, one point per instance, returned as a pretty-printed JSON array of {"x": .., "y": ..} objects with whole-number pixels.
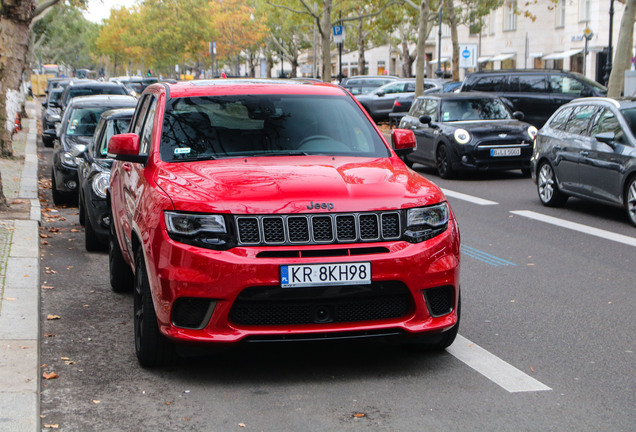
[
  {"x": 469, "y": 198},
  {"x": 492, "y": 367},
  {"x": 608, "y": 235}
]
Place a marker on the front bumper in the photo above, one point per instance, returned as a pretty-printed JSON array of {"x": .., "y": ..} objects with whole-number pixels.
[
  {"x": 479, "y": 157},
  {"x": 235, "y": 295}
]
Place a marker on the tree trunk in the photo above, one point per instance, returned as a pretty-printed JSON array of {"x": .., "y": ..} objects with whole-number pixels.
[
  {"x": 15, "y": 19},
  {"x": 622, "y": 57},
  {"x": 361, "y": 46},
  {"x": 422, "y": 34},
  {"x": 325, "y": 40},
  {"x": 452, "y": 21}
]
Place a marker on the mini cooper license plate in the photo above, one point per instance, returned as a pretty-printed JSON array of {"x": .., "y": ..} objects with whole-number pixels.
[
  {"x": 292, "y": 276},
  {"x": 513, "y": 151}
]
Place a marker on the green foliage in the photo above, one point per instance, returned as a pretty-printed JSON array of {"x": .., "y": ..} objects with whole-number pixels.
[{"x": 64, "y": 35}]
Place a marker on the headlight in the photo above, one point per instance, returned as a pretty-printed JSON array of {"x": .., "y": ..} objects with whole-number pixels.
[
  {"x": 532, "y": 131},
  {"x": 100, "y": 184},
  {"x": 203, "y": 230},
  {"x": 424, "y": 223},
  {"x": 192, "y": 224},
  {"x": 462, "y": 136},
  {"x": 68, "y": 159}
]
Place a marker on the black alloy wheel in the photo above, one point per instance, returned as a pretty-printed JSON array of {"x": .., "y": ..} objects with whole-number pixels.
[
  {"x": 630, "y": 200},
  {"x": 443, "y": 162}
]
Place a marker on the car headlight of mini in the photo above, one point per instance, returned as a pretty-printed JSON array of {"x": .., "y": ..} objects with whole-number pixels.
[
  {"x": 198, "y": 229},
  {"x": 100, "y": 184},
  {"x": 532, "y": 131},
  {"x": 461, "y": 136},
  {"x": 68, "y": 159},
  {"x": 424, "y": 223}
]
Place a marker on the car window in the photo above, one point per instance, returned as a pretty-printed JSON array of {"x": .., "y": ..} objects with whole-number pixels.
[
  {"x": 197, "y": 128},
  {"x": 431, "y": 108},
  {"x": 113, "y": 127},
  {"x": 140, "y": 114},
  {"x": 410, "y": 86},
  {"x": 144, "y": 140},
  {"x": 417, "y": 109},
  {"x": 565, "y": 84},
  {"x": 490, "y": 84},
  {"x": 83, "y": 121},
  {"x": 629, "y": 115},
  {"x": 606, "y": 121},
  {"x": 528, "y": 83},
  {"x": 579, "y": 121},
  {"x": 474, "y": 109},
  {"x": 561, "y": 118},
  {"x": 394, "y": 88}
]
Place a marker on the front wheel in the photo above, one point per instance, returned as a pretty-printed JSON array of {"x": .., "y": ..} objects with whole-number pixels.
[
  {"x": 547, "y": 187},
  {"x": 443, "y": 162},
  {"x": 151, "y": 347},
  {"x": 121, "y": 275},
  {"x": 630, "y": 200}
]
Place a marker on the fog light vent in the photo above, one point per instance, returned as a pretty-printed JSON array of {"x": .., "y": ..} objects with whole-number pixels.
[
  {"x": 440, "y": 300},
  {"x": 192, "y": 313}
]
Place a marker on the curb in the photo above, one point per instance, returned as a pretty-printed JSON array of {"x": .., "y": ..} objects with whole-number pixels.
[{"x": 20, "y": 302}]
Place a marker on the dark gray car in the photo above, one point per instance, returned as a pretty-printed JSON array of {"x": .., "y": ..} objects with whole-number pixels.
[{"x": 587, "y": 149}]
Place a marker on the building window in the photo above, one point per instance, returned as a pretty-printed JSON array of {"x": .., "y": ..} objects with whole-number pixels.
[
  {"x": 446, "y": 31},
  {"x": 492, "y": 19},
  {"x": 510, "y": 16},
  {"x": 560, "y": 14},
  {"x": 584, "y": 10}
]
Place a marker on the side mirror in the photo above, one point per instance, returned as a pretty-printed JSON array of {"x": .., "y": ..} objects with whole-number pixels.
[
  {"x": 78, "y": 150},
  {"x": 586, "y": 92},
  {"x": 43, "y": 104},
  {"x": 518, "y": 115},
  {"x": 425, "y": 119},
  {"x": 125, "y": 147},
  {"x": 380, "y": 93},
  {"x": 608, "y": 138},
  {"x": 50, "y": 133},
  {"x": 54, "y": 104},
  {"x": 403, "y": 141}
]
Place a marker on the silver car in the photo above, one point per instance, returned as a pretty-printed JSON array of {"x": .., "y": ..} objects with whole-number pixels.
[{"x": 587, "y": 149}]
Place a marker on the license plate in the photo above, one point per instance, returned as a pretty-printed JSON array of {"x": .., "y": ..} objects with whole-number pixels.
[
  {"x": 513, "y": 151},
  {"x": 292, "y": 276}
]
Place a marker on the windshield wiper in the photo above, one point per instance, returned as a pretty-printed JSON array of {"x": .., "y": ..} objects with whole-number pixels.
[{"x": 283, "y": 153}]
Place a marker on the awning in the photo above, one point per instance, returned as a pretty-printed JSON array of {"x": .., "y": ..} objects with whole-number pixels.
[
  {"x": 444, "y": 60},
  {"x": 501, "y": 57},
  {"x": 535, "y": 55},
  {"x": 484, "y": 59},
  {"x": 562, "y": 55}
]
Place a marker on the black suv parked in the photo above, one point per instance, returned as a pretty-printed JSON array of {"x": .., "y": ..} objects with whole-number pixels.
[{"x": 535, "y": 92}]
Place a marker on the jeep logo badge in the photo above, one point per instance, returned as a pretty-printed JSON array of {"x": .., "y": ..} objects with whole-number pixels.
[{"x": 318, "y": 206}]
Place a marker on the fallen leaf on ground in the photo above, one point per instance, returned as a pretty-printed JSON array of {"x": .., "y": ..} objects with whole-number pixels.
[
  {"x": 10, "y": 298},
  {"x": 241, "y": 425},
  {"x": 358, "y": 415},
  {"x": 95, "y": 401},
  {"x": 50, "y": 375},
  {"x": 52, "y": 426},
  {"x": 53, "y": 317}
]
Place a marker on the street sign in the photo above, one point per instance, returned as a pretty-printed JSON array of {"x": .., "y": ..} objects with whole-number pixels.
[
  {"x": 468, "y": 56},
  {"x": 338, "y": 33}
]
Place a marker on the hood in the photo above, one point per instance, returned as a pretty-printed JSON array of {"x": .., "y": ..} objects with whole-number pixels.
[
  {"x": 295, "y": 184},
  {"x": 69, "y": 140},
  {"x": 492, "y": 127}
]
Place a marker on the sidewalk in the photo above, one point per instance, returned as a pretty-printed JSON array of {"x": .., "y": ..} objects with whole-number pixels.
[{"x": 20, "y": 284}]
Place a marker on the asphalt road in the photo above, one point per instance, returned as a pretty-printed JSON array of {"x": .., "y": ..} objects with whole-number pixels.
[{"x": 547, "y": 339}]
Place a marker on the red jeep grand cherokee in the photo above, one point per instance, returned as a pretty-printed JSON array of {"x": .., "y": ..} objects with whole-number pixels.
[{"x": 275, "y": 210}]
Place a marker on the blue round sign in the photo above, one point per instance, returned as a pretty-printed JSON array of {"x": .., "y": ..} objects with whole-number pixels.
[{"x": 465, "y": 53}]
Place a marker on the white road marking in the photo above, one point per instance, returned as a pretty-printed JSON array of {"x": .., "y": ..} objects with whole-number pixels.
[
  {"x": 469, "y": 198},
  {"x": 608, "y": 235},
  {"x": 494, "y": 368}
]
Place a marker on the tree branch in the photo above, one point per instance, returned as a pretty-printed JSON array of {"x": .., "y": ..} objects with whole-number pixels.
[
  {"x": 360, "y": 17},
  {"x": 42, "y": 9}
]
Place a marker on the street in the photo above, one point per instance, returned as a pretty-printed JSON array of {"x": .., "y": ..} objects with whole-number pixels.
[{"x": 546, "y": 338}]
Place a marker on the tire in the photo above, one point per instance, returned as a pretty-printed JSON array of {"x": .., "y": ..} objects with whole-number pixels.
[
  {"x": 407, "y": 162},
  {"x": 91, "y": 241},
  {"x": 151, "y": 347},
  {"x": 630, "y": 200},
  {"x": 444, "y": 340},
  {"x": 547, "y": 187},
  {"x": 82, "y": 210},
  {"x": 443, "y": 162},
  {"x": 121, "y": 276},
  {"x": 58, "y": 198}
]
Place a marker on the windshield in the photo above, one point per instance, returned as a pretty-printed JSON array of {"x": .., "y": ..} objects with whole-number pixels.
[
  {"x": 87, "y": 91},
  {"x": 266, "y": 125},
  {"x": 630, "y": 117},
  {"x": 83, "y": 121},
  {"x": 474, "y": 109}
]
